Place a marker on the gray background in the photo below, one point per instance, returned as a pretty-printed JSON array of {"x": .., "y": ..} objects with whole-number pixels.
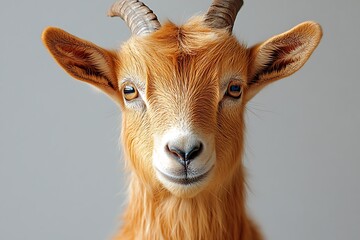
[{"x": 61, "y": 173}]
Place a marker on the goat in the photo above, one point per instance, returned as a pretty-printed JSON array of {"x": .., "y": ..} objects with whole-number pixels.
[{"x": 183, "y": 91}]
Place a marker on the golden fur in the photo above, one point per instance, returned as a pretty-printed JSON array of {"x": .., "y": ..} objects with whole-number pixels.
[{"x": 183, "y": 69}]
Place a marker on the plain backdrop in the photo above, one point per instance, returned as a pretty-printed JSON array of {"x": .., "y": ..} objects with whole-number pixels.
[{"x": 61, "y": 171}]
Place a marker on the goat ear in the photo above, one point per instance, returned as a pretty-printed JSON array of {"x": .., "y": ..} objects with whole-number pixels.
[
  {"x": 83, "y": 60},
  {"x": 281, "y": 56}
]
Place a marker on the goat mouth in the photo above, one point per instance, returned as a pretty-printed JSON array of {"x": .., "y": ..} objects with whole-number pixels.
[{"x": 186, "y": 180}]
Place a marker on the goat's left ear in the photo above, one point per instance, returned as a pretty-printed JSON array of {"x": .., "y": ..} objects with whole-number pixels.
[
  {"x": 83, "y": 60},
  {"x": 281, "y": 56}
]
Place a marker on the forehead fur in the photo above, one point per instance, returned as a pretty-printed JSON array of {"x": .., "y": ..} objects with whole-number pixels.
[{"x": 191, "y": 50}]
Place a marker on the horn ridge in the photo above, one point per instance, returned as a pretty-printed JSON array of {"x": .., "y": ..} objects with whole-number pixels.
[
  {"x": 222, "y": 14},
  {"x": 140, "y": 19}
]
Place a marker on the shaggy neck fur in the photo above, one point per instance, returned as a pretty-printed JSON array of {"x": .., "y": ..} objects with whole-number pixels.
[{"x": 210, "y": 215}]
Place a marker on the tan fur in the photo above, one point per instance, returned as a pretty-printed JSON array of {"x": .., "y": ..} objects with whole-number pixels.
[{"x": 183, "y": 70}]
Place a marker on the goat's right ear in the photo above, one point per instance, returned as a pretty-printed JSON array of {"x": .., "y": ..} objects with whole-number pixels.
[{"x": 83, "y": 60}]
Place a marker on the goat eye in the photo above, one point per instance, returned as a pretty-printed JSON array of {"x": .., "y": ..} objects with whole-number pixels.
[
  {"x": 234, "y": 89},
  {"x": 130, "y": 92}
]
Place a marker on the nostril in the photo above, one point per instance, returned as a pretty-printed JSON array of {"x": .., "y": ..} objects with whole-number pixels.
[
  {"x": 176, "y": 152},
  {"x": 194, "y": 152},
  {"x": 184, "y": 155}
]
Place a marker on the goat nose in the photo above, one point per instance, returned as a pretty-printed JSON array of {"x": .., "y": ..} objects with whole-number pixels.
[{"x": 186, "y": 154}]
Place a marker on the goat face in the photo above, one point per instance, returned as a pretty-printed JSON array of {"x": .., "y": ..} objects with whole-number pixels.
[
  {"x": 186, "y": 106},
  {"x": 183, "y": 92}
]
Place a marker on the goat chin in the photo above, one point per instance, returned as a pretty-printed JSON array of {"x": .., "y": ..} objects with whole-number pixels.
[{"x": 188, "y": 187}]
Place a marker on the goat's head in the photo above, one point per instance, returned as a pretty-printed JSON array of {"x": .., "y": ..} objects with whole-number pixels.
[{"x": 183, "y": 89}]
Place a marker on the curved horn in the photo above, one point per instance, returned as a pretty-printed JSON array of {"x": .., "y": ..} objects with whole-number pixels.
[
  {"x": 222, "y": 13},
  {"x": 140, "y": 19}
]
